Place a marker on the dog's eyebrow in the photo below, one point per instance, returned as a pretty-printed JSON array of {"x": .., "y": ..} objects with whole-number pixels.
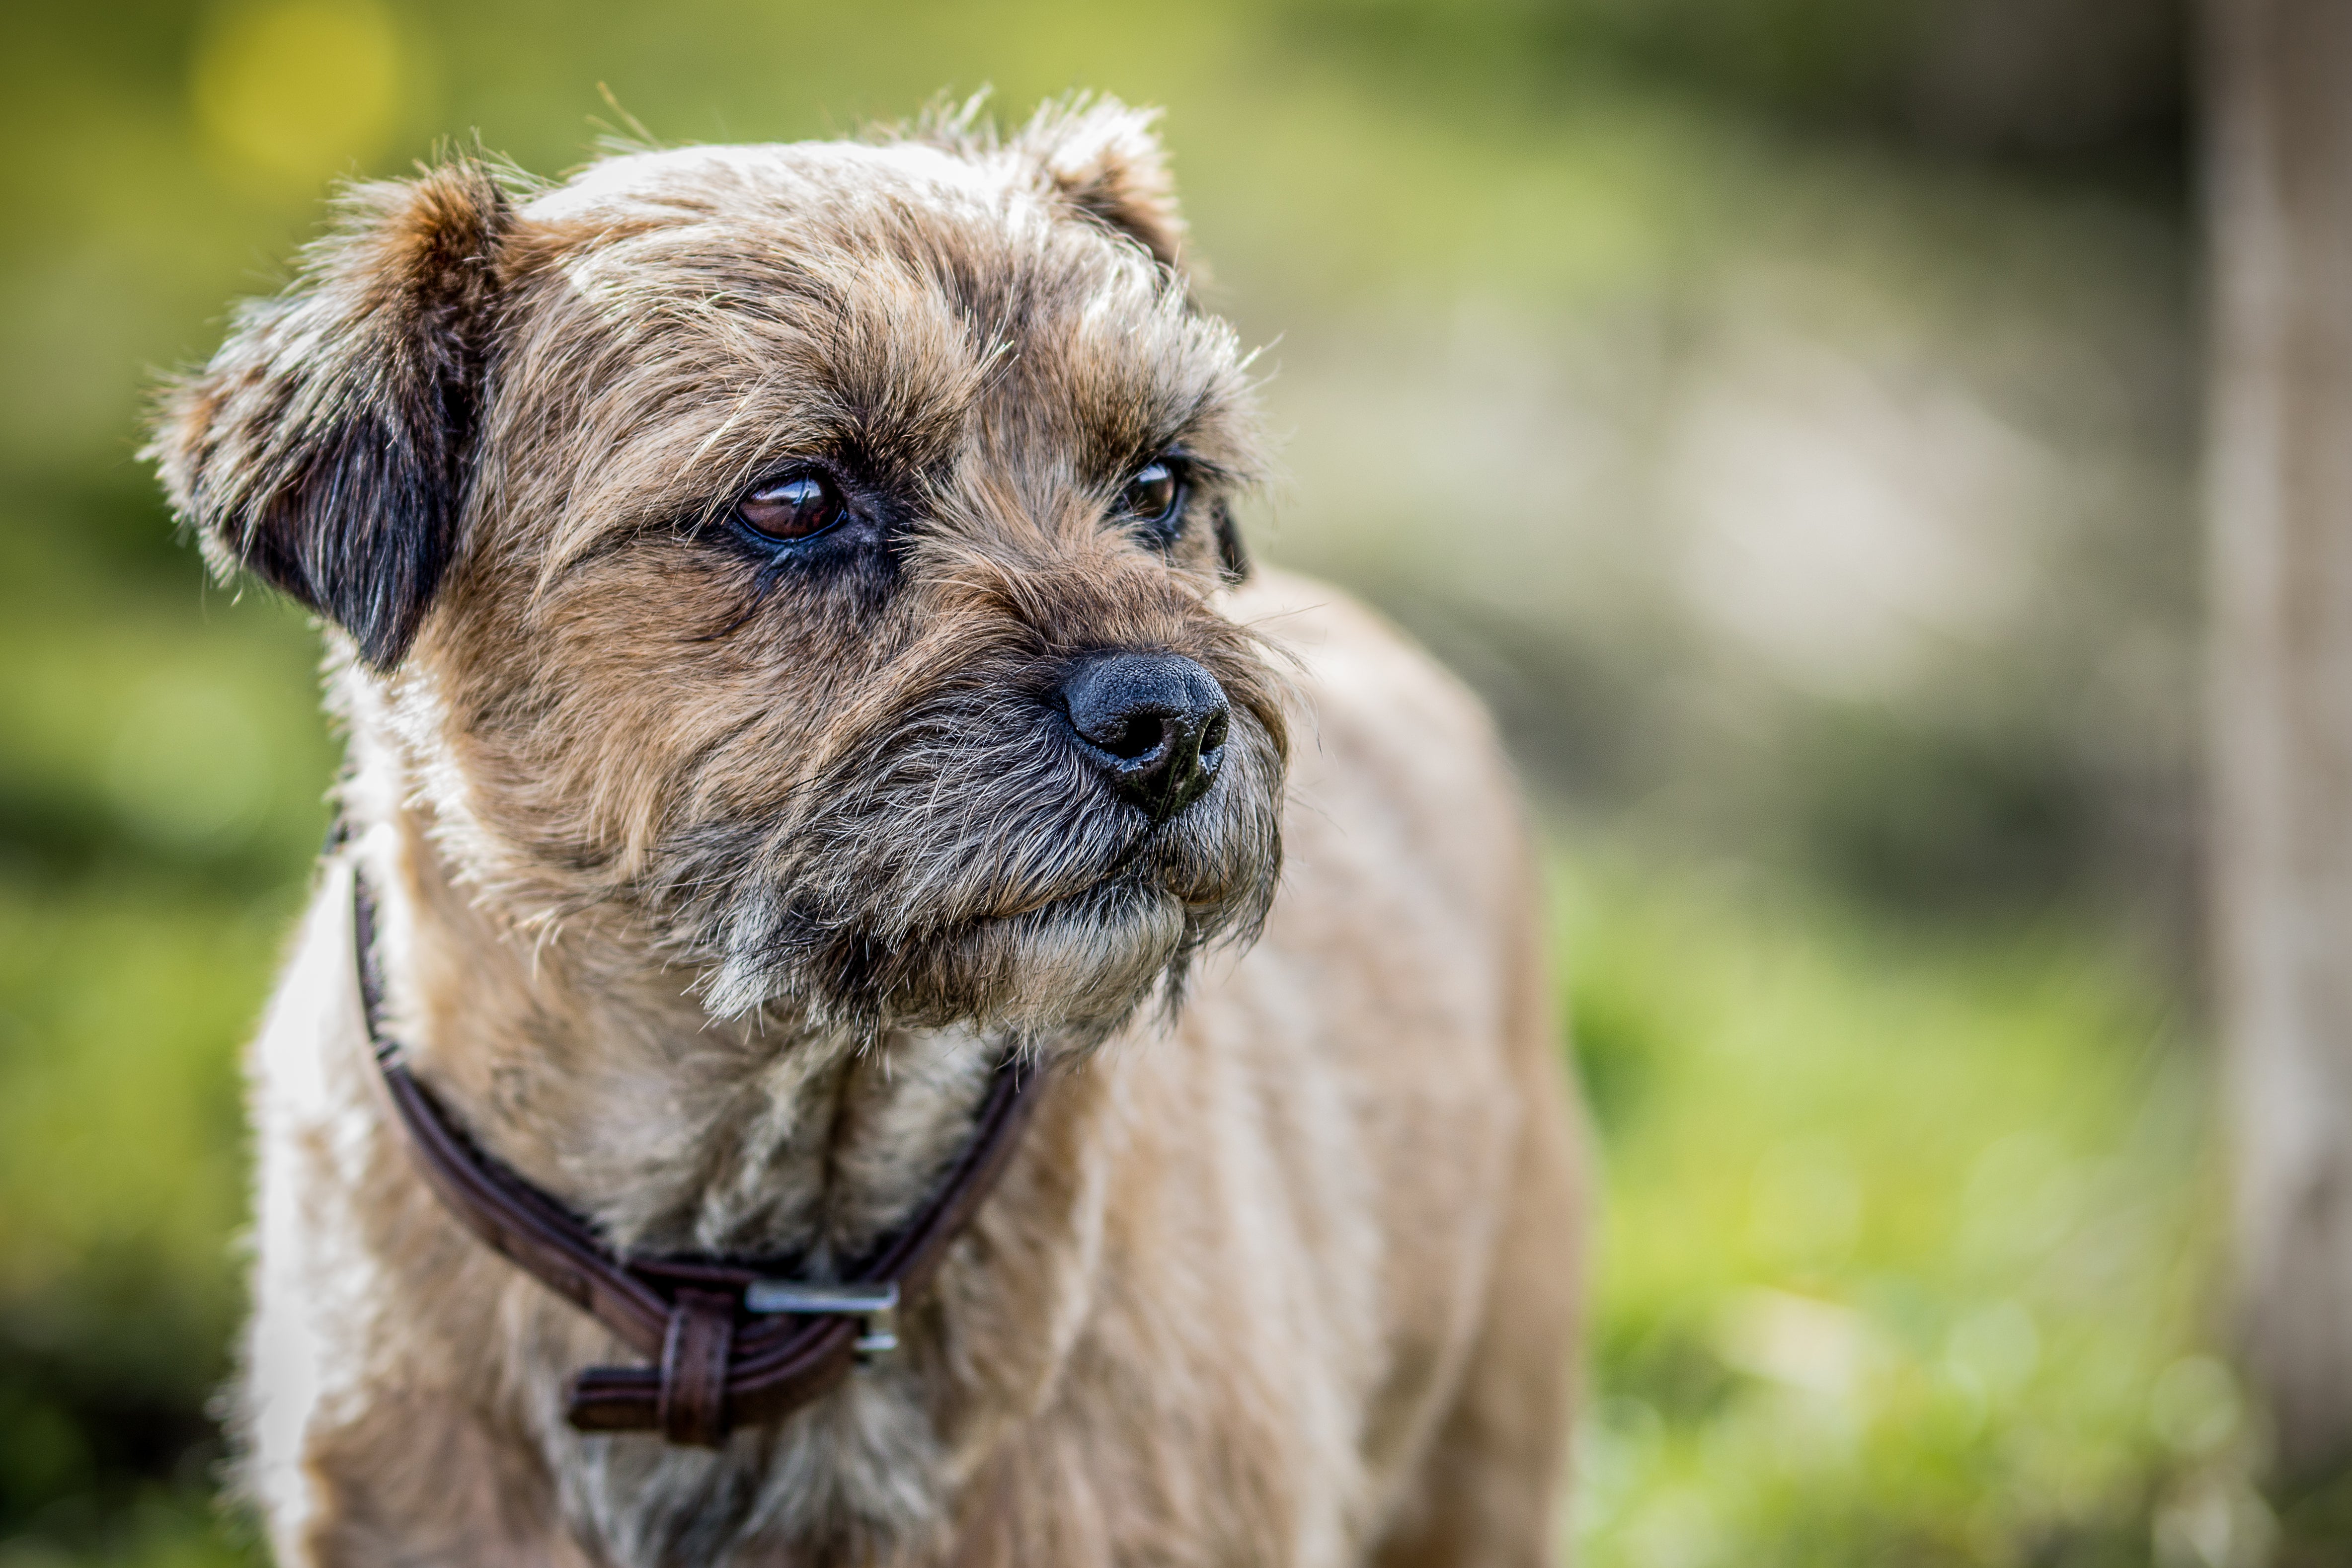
[
  {"x": 1146, "y": 373},
  {"x": 734, "y": 395},
  {"x": 1203, "y": 426}
]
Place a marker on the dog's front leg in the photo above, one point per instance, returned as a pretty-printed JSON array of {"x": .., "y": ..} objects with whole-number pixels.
[{"x": 416, "y": 1480}]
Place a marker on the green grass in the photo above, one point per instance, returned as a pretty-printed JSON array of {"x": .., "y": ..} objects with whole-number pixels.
[
  {"x": 160, "y": 793},
  {"x": 1910, "y": 1240},
  {"x": 122, "y": 1191}
]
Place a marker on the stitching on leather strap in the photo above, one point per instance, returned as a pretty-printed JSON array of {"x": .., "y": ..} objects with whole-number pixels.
[{"x": 694, "y": 1368}]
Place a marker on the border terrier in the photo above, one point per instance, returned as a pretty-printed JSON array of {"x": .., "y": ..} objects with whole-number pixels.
[{"x": 799, "y": 665}]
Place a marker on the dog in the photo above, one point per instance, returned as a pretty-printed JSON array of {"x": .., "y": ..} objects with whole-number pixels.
[{"x": 802, "y": 672}]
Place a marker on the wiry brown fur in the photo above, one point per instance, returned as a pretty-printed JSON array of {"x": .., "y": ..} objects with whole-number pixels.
[{"x": 712, "y": 878}]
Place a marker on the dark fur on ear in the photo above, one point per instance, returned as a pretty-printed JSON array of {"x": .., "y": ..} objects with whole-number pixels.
[
  {"x": 327, "y": 445},
  {"x": 1104, "y": 160},
  {"x": 1232, "y": 556}
]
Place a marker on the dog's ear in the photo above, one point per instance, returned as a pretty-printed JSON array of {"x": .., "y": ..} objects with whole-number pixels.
[
  {"x": 1102, "y": 158},
  {"x": 328, "y": 444},
  {"x": 1232, "y": 555}
]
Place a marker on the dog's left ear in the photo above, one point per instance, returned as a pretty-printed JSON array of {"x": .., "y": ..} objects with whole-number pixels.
[
  {"x": 327, "y": 445},
  {"x": 1103, "y": 159}
]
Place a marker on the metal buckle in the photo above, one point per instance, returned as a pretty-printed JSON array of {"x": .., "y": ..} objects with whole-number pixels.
[{"x": 876, "y": 1306}]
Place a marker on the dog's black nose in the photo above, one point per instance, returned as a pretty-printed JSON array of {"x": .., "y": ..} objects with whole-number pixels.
[{"x": 1154, "y": 724}]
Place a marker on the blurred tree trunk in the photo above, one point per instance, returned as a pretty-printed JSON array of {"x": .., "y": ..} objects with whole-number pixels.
[{"x": 2279, "y": 157}]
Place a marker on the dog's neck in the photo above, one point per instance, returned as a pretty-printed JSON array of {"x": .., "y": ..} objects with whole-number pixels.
[{"x": 580, "y": 1059}]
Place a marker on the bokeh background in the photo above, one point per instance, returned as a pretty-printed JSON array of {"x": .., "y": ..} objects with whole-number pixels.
[{"x": 1783, "y": 411}]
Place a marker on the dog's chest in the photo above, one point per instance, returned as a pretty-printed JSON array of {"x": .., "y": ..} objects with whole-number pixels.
[
  {"x": 814, "y": 1159},
  {"x": 810, "y": 1152}
]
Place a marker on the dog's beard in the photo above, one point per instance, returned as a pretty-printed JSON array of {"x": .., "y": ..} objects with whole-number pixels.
[{"x": 924, "y": 879}]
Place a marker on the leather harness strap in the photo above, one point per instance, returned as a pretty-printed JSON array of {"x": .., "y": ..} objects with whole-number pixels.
[
  {"x": 693, "y": 1401},
  {"x": 733, "y": 1343}
]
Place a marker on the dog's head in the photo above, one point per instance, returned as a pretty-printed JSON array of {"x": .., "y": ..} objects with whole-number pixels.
[{"x": 810, "y": 551}]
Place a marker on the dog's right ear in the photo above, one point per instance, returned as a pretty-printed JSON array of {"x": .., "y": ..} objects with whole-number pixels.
[{"x": 327, "y": 445}]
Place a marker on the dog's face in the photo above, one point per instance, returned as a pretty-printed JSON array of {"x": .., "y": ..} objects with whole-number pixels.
[{"x": 809, "y": 552}]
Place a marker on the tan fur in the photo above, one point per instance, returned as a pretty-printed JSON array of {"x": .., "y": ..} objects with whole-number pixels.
[{"x": 710, "y": 886}]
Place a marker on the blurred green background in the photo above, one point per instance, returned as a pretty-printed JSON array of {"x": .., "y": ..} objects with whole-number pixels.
[{"x": 1782, "y": 410}]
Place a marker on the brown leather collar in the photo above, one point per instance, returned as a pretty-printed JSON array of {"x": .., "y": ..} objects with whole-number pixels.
[{"x": 734, "y": 1344}]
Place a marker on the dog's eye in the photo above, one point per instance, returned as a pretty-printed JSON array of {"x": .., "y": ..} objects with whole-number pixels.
[
  {"x": 1154, "y": 496},
  {"x": 800, "y": 507}
]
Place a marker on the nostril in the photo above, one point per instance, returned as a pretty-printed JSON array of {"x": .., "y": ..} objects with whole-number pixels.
[
  {"x": 1213, "y": 736},
  {"x": 1137, "y": 738}
]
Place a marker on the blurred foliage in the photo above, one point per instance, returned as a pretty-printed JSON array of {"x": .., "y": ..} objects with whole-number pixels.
[
  {"x": 2096, "y": 80},
  {"x": 1778, "y": 408},
  {"x": 159, "y": 799},
  {"x": 1908, "y": 1245},
  {"x": 2031, "y": 81}
]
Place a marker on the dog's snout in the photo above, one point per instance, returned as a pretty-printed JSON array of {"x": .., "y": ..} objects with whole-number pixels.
[{"x": 1153, "y": 724}]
